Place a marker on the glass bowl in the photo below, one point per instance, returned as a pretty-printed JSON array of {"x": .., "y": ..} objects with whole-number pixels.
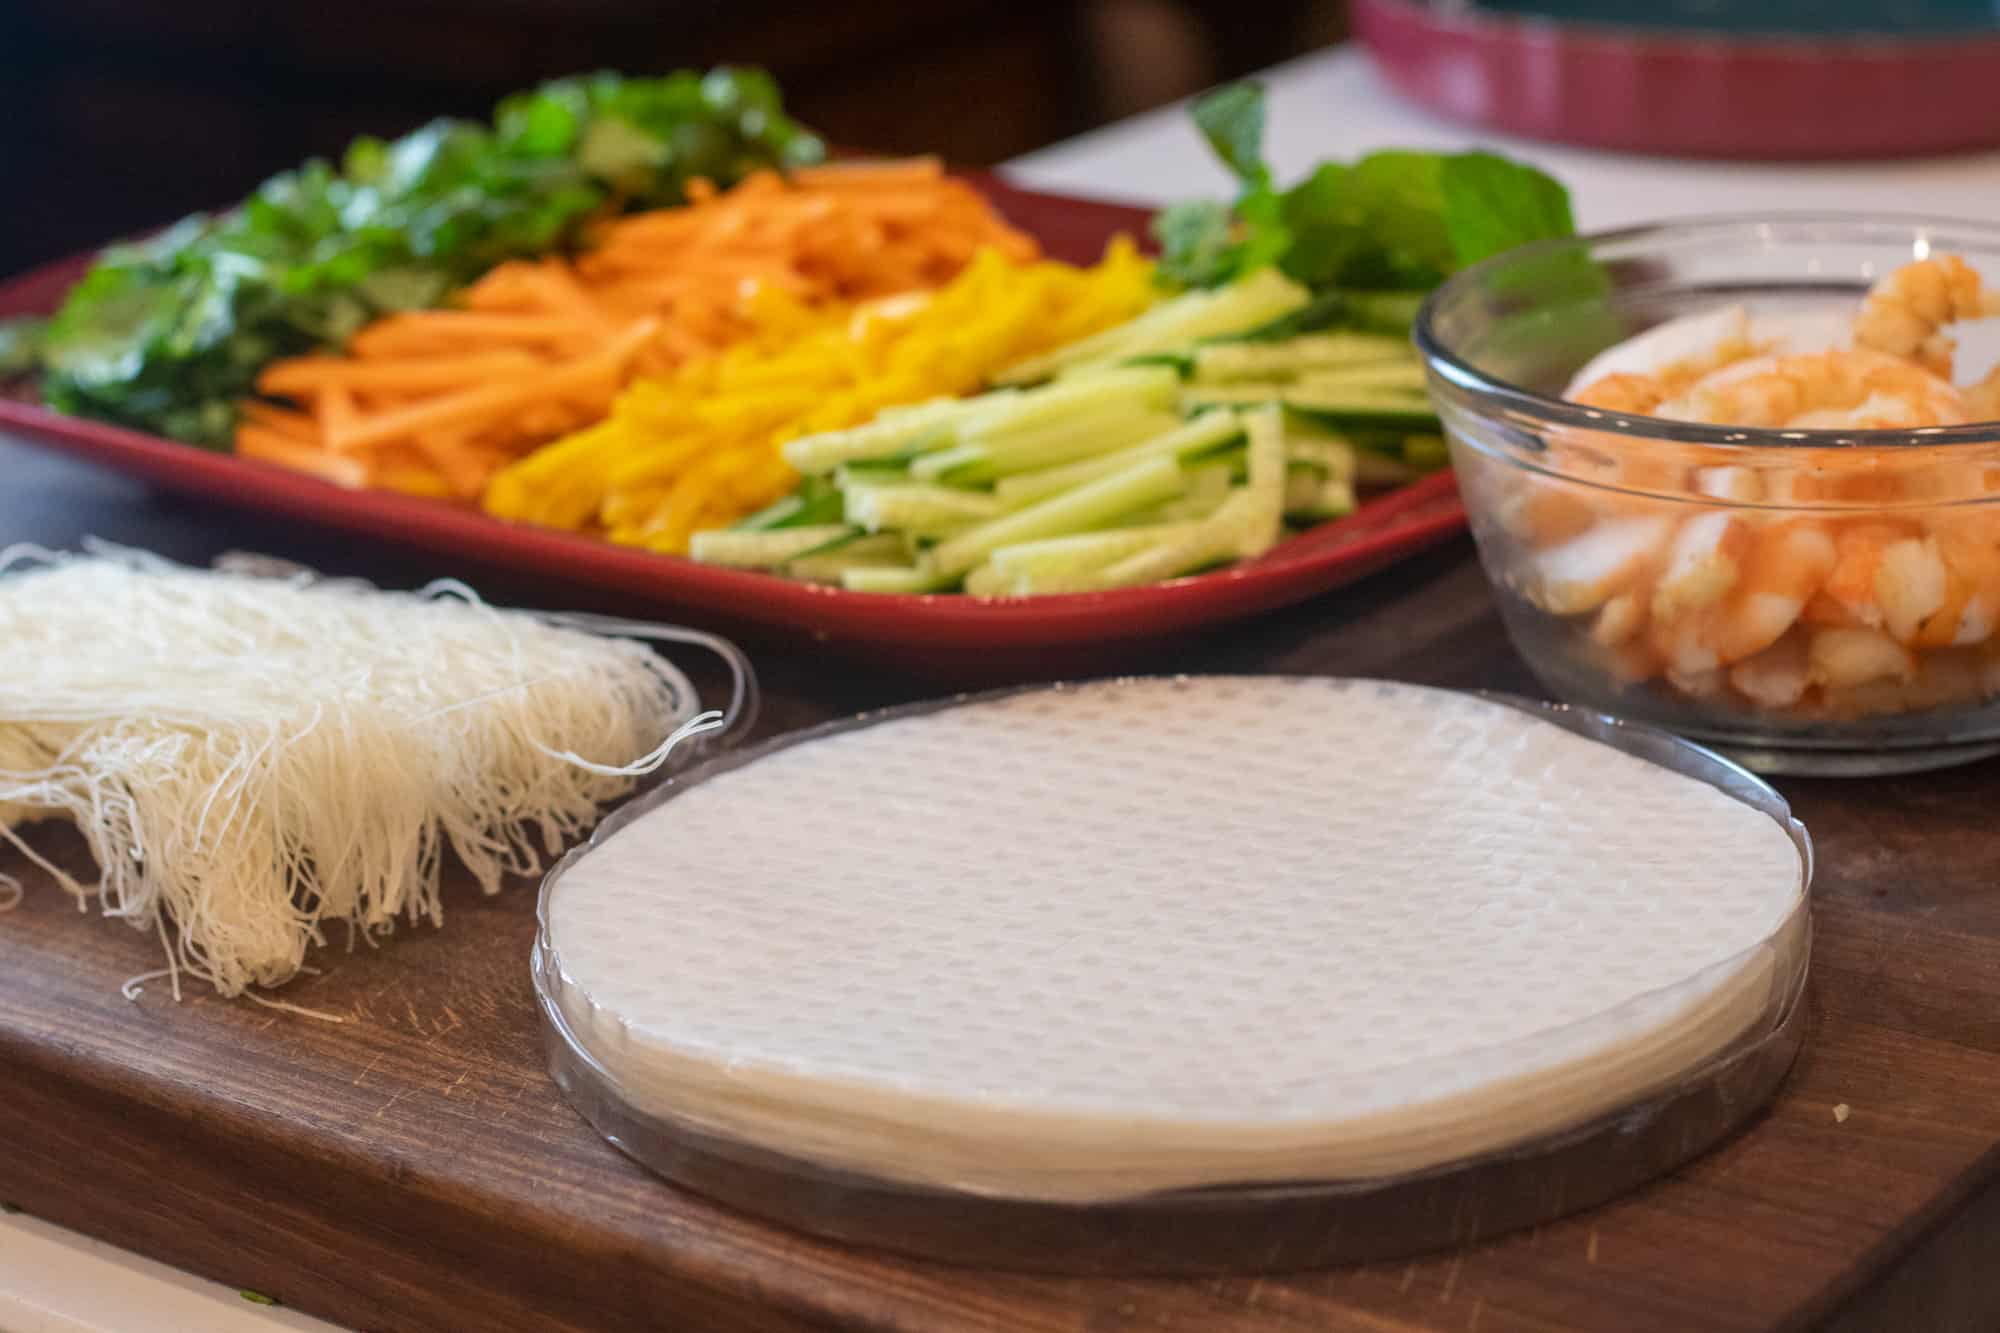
[{"x": 1809, "y": 601}]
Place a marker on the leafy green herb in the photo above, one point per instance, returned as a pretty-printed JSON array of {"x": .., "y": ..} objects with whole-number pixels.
[
  {"x": 167, "y": 335},
  {"x": 1390, "y": 220},
  {"x": 256, "y": 1297}
]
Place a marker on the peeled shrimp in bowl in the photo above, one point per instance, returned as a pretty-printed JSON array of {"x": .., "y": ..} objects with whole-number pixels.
[{"x": 1807, "y": 581}]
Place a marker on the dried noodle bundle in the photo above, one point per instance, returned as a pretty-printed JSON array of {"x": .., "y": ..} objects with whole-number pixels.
[{"x": 253, "y": 758}]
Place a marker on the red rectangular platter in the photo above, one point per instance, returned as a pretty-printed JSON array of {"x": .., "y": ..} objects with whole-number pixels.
[{"x": 945, "y": 632}]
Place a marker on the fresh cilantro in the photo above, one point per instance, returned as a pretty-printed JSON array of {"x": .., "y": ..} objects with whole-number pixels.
[{"x": 168, "y": 335}]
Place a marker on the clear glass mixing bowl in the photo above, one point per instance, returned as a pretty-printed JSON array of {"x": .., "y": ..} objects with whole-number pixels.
[{"x": 1816, "y": 601}]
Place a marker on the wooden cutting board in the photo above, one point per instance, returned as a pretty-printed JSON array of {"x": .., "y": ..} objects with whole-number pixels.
[{"x": 413, "y": 1169}]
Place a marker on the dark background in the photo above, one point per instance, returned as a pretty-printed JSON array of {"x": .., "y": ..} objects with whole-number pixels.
[{"x": 124, "y": 114}]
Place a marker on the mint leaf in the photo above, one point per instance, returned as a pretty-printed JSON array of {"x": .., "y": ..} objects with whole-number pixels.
[
  {"x": 1196, "y": 248},
  {"x": 1232, "y": 120},
  {"x": 1490, "y": 204},
  {"x": 1399, "y": 198}
]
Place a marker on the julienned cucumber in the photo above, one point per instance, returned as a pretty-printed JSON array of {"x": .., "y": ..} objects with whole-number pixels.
[
  {"x": 920, "y": 509},
  {"x": 1091, "y": 505},
  {"x": 1171, "y": 325},
  {"x": 1222, "y": 362},
  {"x": 1046, "y": 445},
  {"x": 1404, "y": 376},
  {"x": 1363, "y": 407},
  {"x": 887, "y": 435},
  {"x": 1008, "y": 411},
  {"x": 896, "y": 579},
  {"x": 831, "y": 563},
  {"x": 764, "y": 550},
  {"x": 1205, "y": 432}
]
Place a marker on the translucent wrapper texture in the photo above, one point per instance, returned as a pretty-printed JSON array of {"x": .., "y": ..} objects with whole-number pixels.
[{"x": 1148, "y": 939}]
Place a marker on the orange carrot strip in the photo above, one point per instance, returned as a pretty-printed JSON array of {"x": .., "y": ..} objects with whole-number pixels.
[
  {"x": 269, "y": 446},
  {"x": 871, "y": 173},
  {"x": 296, "y": 425},
  {"x": 398, "y": 334},
  {"x": 489, "y": 400},
  {"x": 302, "y": 376}
]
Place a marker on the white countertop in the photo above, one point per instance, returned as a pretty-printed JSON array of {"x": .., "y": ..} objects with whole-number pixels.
[
  {"x": 1333, "y": 104},
  {"x": 1327, "y": 104}
]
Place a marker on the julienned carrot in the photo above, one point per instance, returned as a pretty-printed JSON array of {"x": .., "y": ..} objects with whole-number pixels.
[
  {"x": 483, "y": 401},
  {"x": 438, "y": 401},
  {"x": 699, "y": 448},
  {"x": 262, "y": 442},
  {"x": 304, "y": 376}
]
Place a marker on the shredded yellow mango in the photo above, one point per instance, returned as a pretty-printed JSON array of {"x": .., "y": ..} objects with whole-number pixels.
[{"x": 699, "y": 448}]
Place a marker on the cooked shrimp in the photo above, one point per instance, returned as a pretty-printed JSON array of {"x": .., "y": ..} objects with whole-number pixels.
[
  {"x": 1545, "y": 512},
  {"x": 1848, "y": 388},
  {"x": 1624, "y": 392},
  {"x": 1585, "y": 572},
  {"x": 1783, "y": 567},
  {"x": 1843, "y": 658},
  {"x": 1941, "y": 679},
  {"x": 1907, "y": 312},
  {"x": 1640, "y": 373},
  {"x": 1892, "y": 576},
  {"x": 1702, "y": 564},
  {"x": 1620, "y": 620},
  {"x": 1971, "y": 556},
  {"x": 1778, "y": 677},
  {"x": 1982, "y": 400}
]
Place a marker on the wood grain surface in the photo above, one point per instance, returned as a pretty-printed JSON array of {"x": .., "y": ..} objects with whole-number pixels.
[{"x": 414, "y": 1169}]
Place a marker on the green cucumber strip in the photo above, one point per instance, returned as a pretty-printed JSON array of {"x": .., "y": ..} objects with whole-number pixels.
[
  {"x": 904, "y": 579},
  {"x": 1313, "y": 496},
  {"x": 1210, "y": 542},
  {"x": 1089, "y": 506},
  {"x": 1302, "y": 484},
  {"x": 1083, "y": 551},
  {"x": 763, "y": 550},
  {"x": 1330, "y": 455},
  {"x": 1100, "y": 390},
  {"x": 1370, "y": 407},
  {"x": 1335, "y": 499},
  {"x": 915, "y": 507},
  {"x": 1221, "y": 362},
  {"x": 986, "y": 581},
  {"x": 1373, "y": 469},
  {"x": 1182, "y": 362},
  {"x": 1426, "y": 452},
  {"x": 1207, "y": 487},
  {"x": 871, "y": 472},
  {"x": 813, "y": 503},
  {"x": 931, "y": 467},
  {"x": 1406, "y": 376},
  {"x": 886, "y": 436},
  {"x": 879, "y": 551},
  {"x": 1403, "y": 377},
  {"x": 1369, "y": 311},
  {"x": 1206, "y": 431},
  {"x": 1253, "y": 393},
  {"x": 1059, "y": 444},
  {"x": 1245, "y": 304},
  {"x": 1265, "y": 511}
]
